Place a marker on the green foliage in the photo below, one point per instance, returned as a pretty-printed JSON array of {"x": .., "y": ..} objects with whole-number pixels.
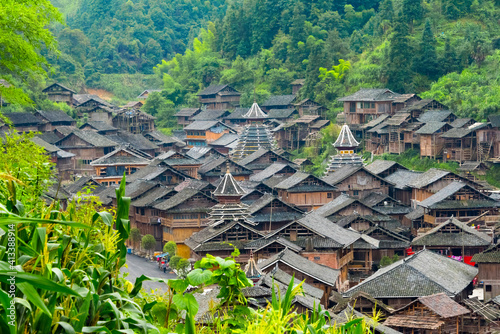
[
  {"x": 135, "y": 235},
  {"x": 24, "y": 33},
  {"x": 148, "y": 242},
  {"x": 170, "y": 248},
  {"x": 174, "y": 261},
  {"x": 411, "y": 159}
]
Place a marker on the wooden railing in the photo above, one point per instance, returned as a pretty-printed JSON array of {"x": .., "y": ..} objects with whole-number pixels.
[{"x": 346, "y": 259}]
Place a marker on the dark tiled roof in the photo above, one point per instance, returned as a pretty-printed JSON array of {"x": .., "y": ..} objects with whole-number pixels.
[
  {"x": 49, "y": 137},
  {"x": 457, "y": 133},
  {"x": 494, "y": 120},
  {"x": 112, "y": 158},
  {"x": 55, "y": 116},
  {"x": 427, "y": 178},
  {"x": 460, "y": 122},
  {"x": 152, "y": 196},
  {"x": 47, "y": 146},
  {"x": 93, "y": 138},
  {"x": 254, "y": 156},
  {"x": 199, "y": 152},
  {"x": 430, "y": 128},
  {"x": 379, "y": 166},
  {"x": 491, "y": 255},
  {"x": 422, "y": 274},
  {"x": 161, "y": 138},
  {"x": 99, "y": 126},
  {"x": 282, "y": 280},
  {"x": 82, "y": 98},
  {"x": 335, "y": 205},
  {"x": 329, "y": 230},
  {"x": 269, "y": 172},
  {"x": 137, "y": 188},
  {"x": 237, "y": 113},
  {"x": 341, "y": 174},
  {"x": 319, "y": 272},
  {"x": 443, "y": 305},
  {"x": 375, "y": 122},
  {"x": 58, "y": 84},
  {"x": 401, "y": 178},
  {"x": 293, "y": 183},
  {"x": 225, "y": 140},
  {"x": 212, "y": 89},
  {"x": 279, "y": 100},
  {"x": 22, "y": 118},
  {"x": 178, "y": 198},
  {"x": 258, "y": 244},
  {"x": 436, "y": 116},
  {"x": 371, "y": 94},
  {"x": 187, "y": 112},
  {"x": 281, "y": 113},
  {"x": 229, "y": 187},
  {"x": 210, "y": 115},
  {"x": 202, "y": 125},
  {"x": 79, "y": 184},
  {"x": 137, "y": 141},
  {"x": 438, "y": 236}
]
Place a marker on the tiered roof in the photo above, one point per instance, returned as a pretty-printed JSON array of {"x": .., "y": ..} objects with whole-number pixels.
[
  {"x": 255, "y": 135},
  {"x": 229, "y": 208},
  {"x": 345, "y": 144}
]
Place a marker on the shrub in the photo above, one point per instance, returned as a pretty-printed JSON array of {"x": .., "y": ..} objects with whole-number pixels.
[
  {"x": 170, "y": 248},
  {"x": 148, "y": 242}
]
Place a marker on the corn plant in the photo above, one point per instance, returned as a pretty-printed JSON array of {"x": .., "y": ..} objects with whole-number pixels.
[{"x": 66, "y": 273}]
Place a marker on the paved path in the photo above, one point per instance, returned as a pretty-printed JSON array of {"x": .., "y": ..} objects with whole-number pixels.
[{"x": 138, "y": 266}]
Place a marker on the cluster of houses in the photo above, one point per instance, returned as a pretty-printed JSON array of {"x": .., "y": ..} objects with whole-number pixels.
[{"x": 411, "y": 244}]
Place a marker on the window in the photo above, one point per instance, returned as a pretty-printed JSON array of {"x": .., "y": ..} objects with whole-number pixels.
[
  {"x": 316, "y": 258},
  {"x": 488, "y": 288},
  {"x": 86, "y": 161},
  {"x": 355, "y": 193},
  {"x": 329, "y": 195},
  {"x": 142, "y": 211}
]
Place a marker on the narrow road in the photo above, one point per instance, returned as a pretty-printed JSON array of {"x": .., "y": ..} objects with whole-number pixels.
[{"x": 138, "y": 266}]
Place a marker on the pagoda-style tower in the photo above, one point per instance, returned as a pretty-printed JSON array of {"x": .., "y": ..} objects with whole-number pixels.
[
  {"x": 230, "y": 208},
  {"x": 346, "y": 145},
  {"x": 255, "y": 134}
]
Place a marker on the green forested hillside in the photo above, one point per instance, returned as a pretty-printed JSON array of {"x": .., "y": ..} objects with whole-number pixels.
[{"x": 260, "y": 46}]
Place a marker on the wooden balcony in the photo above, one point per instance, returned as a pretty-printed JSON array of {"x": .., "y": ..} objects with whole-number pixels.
[
  {"x": 430, "y": 219},
  {"x": 346, "y": 259}
]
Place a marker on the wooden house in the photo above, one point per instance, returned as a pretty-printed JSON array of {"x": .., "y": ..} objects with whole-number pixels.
[
  {"x": 111, "y": 167},
  {"x": 164, "y": 142},
  {"x": 472, "y": 170},
  {"x": 309, "y": 107},
  {"x": 144, "y": 95},
  {"x": 366, "y": 104},
  {"x": 314, "y": 274},
  {"x": 136, "y": 141},
  {"x": 460, "y": 144},
  {"x": 87, "y": 147},
  {"x": 462, "y": 201},
  {"x": 185, "y": 115},
  {"x": 219, "y": 97},
  {"x": 134, "y": 121},
  {"x": 59, "y": 93},
  {"x": 65, "y": 161},
  {"x": 387, "y": 205},
  {"x": 215, "y": 168},
  {"x": 147, "y": 219},
  {"x": 401, "y": 178},
  {"x": 357, "y": 181},
  {"x": 402, "y": 132},
  {"x": 182, "y": 215},
  {"x": 225, "y": 143},
  {"x": 431, "y": 142},
  {"x": 86, "y": 102},
  {"x": 299, "y": 132},
  {"x": 211, "y": 115},
  {"x": 488, "y": 263},
  {"x": 49, "y": 120},
  {"x": 417, "y": 108},
  {"x": 279, "y": 102},
  {"x": 403, "y": 101},
  {"x": 488, "y": 140},
  {"x": 453, "y": 238},
  {"x": 276, "y": 169},
  {"x": 262, "y": 159},
  {"x": 377, "y": 138},
  {"x": 101, "y": 128},
  {"x": 201, "y": 133},
  {"x": 435, "y": 313},
  {"x": 160, "y": 172},
  {"x": 203, "y": 154},
  {"x": 23, "y": 121},
  {"x": 384, "y": 168},
  {"x": 323, "y": 242},
  {"x": 305, "y": 191},
  {"x": 390, "y": 243},
  {"x": 270, "y": 213},
  {"x": 430, "y": 182},
  {"x": 81, "y": 184},
  {"x": 482, "y": 318},
  {"x": 181, "y": 162},
  {"x": 421, "y": 274},
  {"x": 134, "y": 105},
  {"x": 297, "y": 85}
]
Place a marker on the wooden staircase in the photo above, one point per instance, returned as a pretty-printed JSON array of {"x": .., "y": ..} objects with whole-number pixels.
[{"x": 483, "y": 150}]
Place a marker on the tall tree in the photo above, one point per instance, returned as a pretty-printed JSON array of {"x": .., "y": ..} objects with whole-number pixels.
[
  {"x": 412, "y": 11},
  {"x": 23, "y": 33},
  {"x": 425, "y": 61},
  {"x": 400, "y": 55}
]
